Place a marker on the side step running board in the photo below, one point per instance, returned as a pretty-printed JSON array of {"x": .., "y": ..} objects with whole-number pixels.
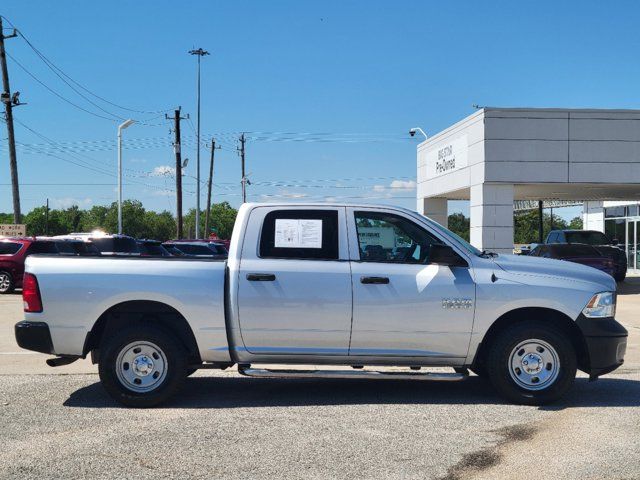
[{"x": 265, "y": 373}]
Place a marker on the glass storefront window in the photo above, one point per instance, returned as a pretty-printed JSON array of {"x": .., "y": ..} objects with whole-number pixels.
[
  {"x": 611, "y": 212},
  {"x": 614, "y": 229}
]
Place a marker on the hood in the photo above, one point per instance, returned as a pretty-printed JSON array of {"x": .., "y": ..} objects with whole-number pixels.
[{"x": 525, "y": 265}]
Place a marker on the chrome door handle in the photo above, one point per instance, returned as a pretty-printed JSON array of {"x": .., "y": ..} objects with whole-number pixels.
[
  {"x": 374, "y": 280},
  {"x": 261, "y": 277}
]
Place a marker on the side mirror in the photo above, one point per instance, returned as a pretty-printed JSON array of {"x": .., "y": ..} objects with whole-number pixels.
[
  {"x": 615, "y": 242},
  {"x": 445, "y": 255}
]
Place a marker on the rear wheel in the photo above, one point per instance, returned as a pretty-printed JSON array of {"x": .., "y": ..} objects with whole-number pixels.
[
  {"x": 531, "y": 363},
  {"x": 6, "y": 282},
  {"x": 620, "y": 276},
  {"x": 142, "y": 366}
]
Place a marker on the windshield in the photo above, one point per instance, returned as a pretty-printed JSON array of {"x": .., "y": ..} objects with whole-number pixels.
[
  {"x": 457, "y": 239},
  {"x": 589, "y": 238}
]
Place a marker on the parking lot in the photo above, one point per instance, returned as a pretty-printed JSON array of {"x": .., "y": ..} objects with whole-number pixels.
[{"x": 59, "y": 423}]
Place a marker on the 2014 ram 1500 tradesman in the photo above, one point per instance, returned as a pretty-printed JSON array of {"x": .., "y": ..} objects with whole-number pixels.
[{"x": 333, "y": 285}]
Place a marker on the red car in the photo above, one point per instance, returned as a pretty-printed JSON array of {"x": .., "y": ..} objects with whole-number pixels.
[
  {"x": 578, "y": 253},
  {"x": 13, "y": 252}
]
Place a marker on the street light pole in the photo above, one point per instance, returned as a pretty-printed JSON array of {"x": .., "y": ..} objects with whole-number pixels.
[
  {"x": 200, "y": 53},
  {"x": 121, "y": 127}
]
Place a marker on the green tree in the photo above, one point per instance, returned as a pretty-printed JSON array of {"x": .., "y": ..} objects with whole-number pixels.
[
  {"x": 160, "y": 226},
  {"x": 576, "y": 223},
  {"x": 223, "y": 217},
  {"x": 95, "y": 218},
  {"x": 459, "y": 224},
  {"x": 526, "y": 226}
]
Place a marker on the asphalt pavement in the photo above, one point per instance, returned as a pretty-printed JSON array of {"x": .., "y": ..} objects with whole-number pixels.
[{"x": 59, "y": 423}]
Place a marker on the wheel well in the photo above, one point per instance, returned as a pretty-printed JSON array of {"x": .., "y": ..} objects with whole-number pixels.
[
  {"x": 141, "y": 311},
  {"x": 541, "y": 315}
]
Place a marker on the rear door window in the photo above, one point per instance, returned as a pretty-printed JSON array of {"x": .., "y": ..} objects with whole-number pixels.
[
  {"x": 42, "y": 247},
  {"x": 9, "y": 248},
  {"x": 300, "y": 234}
]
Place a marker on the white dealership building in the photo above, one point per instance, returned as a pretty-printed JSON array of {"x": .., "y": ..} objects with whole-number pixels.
[{"x": 498, "y": 156}]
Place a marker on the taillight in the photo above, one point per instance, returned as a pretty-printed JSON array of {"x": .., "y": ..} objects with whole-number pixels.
[{"x": 31, "y": 294}]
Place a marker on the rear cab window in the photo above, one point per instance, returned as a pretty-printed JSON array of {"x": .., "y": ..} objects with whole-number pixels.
[{"x": 588, "y": 238}]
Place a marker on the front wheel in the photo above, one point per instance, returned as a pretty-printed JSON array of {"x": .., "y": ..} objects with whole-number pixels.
[
  {"x": 142, "y": 366},
  {"x": 531, "y": 363}
]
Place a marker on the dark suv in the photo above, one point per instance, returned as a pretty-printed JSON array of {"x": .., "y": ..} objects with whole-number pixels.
[{"x": 603, "y": 244}]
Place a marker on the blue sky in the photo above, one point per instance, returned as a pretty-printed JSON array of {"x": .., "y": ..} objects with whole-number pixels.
[{"x": 360, "y": 73}]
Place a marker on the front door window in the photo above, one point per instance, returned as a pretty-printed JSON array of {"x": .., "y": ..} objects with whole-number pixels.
[{"x": 388, "y": 238}]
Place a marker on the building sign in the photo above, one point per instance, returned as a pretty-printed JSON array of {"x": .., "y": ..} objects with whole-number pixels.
[
  {"x": 10, "y": 230},
  {"x": 447, "y": 157}
]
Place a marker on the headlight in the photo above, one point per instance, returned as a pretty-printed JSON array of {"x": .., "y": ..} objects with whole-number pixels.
[{"x": 601, "y": 305}]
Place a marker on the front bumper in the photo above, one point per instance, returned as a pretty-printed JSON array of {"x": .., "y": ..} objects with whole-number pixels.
[
  {"x": 34, "y": 336},
  {"x": 606, "y": 342}
]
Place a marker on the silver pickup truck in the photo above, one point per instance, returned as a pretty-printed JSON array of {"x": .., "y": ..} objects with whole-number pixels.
[{"x": 322, "y": 284}]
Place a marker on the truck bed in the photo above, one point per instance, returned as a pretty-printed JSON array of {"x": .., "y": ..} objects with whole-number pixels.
[{"x": 78, "y": 290}]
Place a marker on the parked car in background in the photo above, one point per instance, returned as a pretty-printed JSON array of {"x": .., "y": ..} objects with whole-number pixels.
[
  {"x": 173, "y": 251},
  {"x": 152, "y": 248},
  {"x": 75, "y": 247},
  {"x": 606, "y": 246},
  {"x": 107, "y": 244},
  {"x": 198, "y": 248},
  {"x": 577, "y": 253},
  {"x": 13, "y": 252}
]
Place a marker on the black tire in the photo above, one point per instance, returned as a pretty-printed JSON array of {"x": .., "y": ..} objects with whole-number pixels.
[
  {"x": 6, "y": 283},
  {"x": 113, "y": 374},
  {"x": 620, "y": 276},
  {"x": 499, "y": 366}
]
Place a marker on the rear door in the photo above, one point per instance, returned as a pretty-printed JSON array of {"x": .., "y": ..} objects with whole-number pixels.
[
  {"x": 294, "y": 286},
  {"x": 404, "y": 306}
]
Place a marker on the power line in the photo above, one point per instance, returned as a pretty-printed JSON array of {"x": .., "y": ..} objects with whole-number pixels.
[
  {"x": 56, "y": 93},
  {"x": 58, "y": 71}
]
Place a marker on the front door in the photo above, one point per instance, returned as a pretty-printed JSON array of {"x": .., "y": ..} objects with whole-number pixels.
[
  {"x": 294, "y": 290},
  {"x": 402, "y": 304}
]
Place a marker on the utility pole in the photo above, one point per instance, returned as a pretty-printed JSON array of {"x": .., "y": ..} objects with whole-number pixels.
[
  {"x": 46, "y": 220},
  {"x": 540, "y": 221},
  {"x": 200, "y": 53},
  {"x": 244, "y": 178},
  {"x": 9, "y": 101},
  {"x": 177, "y": 148},
  {"x": 208, "y": 212}
]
